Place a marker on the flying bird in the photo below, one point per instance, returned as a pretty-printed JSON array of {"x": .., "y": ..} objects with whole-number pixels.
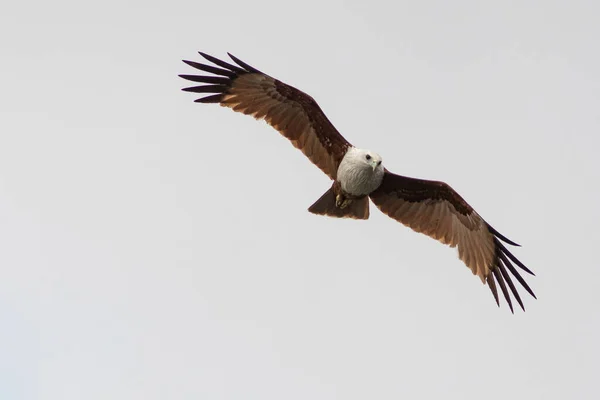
[{"x": 429, "y": 207}]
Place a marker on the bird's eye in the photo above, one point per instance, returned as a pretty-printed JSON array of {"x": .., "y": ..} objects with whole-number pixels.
[
  {"x": 379, "y": 163},
  {"x": 368, "y": 156}
]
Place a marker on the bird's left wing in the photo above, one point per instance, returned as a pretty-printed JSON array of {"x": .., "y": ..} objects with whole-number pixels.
[
  {"x": 296, "y": 115},
  {"x": 435, "y": 209}
]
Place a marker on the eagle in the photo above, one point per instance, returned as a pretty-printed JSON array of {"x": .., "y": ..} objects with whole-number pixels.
[{"x": 429, "y": 207}]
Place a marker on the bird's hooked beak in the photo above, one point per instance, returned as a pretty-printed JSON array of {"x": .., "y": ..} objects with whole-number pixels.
[{"x": 375, "y": 164}]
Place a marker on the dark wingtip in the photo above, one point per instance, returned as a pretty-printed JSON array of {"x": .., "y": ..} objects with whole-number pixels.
[
  {"x": 504, "y": 250},
  {"x": 500, "y": 280},
  {"x": 206, "y": 79},
  {"x": 206, "y": 89},
  {"x": 243, "y": 64},
  {"x": 210, "y": 69},
  {"x": 510, "y": 283},
  {"x": 215, "y": 98},
  {"x": 515, "y": 273},
  {"x": 223, "y": 64},
  {"x": 492, "y": 285},
  {"x": 501, "y": 236}
]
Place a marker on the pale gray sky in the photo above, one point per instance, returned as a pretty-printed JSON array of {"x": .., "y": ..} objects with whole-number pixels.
[{"x": 153, "y": 248}]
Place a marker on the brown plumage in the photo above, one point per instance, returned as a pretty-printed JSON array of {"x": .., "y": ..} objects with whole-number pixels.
[
  {"x": 429, "y": 207},
  {"x": 293, "y": 113},
  {"x": 436, "y": 210},
  {"x": 327, "y": 204}
]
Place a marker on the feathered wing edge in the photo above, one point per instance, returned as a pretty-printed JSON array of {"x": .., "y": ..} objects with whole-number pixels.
[
  {"x": 293, "y": 113},
  {"x": 503, "y": 264},
  {"x": 423, "y": 216},
  {"x": 220, "y": 83}
]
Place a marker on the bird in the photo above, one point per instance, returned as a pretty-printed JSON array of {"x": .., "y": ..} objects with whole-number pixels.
[{"x": 429, "y": 207}]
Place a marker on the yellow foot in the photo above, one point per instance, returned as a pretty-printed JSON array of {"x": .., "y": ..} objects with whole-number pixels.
[{"x": 341, "y": 202}]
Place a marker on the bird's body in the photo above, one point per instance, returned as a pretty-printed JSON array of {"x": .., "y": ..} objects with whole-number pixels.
[{"x": 429, "y": 207}]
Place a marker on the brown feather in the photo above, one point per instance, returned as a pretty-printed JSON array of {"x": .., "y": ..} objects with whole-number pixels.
[
  {"x": 296, "y": 115},
  {"x": 436, "y": 210}
]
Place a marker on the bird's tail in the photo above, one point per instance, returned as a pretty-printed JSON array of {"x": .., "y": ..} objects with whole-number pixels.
[{"x": 326, "y": 205}]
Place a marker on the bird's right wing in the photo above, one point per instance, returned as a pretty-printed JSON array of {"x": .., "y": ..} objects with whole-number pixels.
[
  {"x": 296, "y": 115},
  {"x": 435, "y": 209}
]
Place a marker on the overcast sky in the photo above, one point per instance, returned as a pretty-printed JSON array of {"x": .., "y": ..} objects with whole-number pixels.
[{"x": 153, "y": 248}]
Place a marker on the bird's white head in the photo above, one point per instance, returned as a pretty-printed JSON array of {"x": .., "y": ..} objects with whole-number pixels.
[{"x": 365, "y": 158}]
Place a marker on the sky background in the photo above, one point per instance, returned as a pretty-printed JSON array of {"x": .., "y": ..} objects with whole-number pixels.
[{"x": 153, "y": 248}]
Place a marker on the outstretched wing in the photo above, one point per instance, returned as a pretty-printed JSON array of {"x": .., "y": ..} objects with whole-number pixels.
[
  {"x": 435, "y": 209},
  {"x": 296, "y": 115}
]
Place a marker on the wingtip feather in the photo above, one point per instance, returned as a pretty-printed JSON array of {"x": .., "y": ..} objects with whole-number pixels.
[
  {"x": 504, "y": 250},
  {"x": 511, "y": 285},
  {"x": 501, "y": 236},
  {"x": 515, "y": 273},
  {"x": 492, "y": 285},
  {"x": 215, "y": 98},
  {"x": 500, "y": 279},
  {"x": 243, "y": 64}
]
